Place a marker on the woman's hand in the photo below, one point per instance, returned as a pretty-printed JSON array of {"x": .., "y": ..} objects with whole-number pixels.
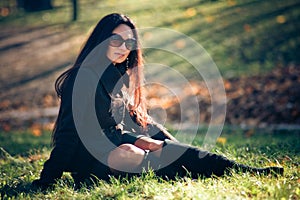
[{"x": 147, "y": 143}]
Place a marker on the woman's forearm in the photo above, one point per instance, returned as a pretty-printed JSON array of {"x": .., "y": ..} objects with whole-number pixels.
[{"x": 147, "y": 143}]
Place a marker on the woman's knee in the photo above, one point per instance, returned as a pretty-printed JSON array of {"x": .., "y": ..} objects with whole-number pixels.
[{"x": 125, "y": 158}]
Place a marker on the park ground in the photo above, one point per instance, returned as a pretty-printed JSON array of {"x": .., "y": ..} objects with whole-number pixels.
[{"x": 258, "y": 57}]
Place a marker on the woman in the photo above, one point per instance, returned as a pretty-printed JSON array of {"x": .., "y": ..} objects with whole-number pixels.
[{"x": 136, "y": 142}]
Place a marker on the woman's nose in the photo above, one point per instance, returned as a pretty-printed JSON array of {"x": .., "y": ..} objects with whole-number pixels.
[{"x": 123, "y": 46}]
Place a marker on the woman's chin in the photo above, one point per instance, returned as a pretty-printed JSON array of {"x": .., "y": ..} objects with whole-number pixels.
[{"x": 118, "y": 61}]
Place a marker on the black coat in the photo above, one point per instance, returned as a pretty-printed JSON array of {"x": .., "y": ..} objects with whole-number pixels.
[{"x": 70, "y": 153}]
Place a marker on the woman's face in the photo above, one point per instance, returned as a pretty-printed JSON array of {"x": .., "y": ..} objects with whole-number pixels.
[{"x": 118, "y": 49}]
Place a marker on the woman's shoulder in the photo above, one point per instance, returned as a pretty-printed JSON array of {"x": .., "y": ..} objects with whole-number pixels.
[
  {"x": 80, "y": 78},
  {"x": 86, "y": 78}
]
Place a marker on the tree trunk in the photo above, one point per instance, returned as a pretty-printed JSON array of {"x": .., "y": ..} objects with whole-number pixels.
[{"x": 75, "y": 10}]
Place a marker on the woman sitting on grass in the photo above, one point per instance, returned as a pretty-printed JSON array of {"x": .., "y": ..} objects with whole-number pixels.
[{"x": 105, "y": 84}]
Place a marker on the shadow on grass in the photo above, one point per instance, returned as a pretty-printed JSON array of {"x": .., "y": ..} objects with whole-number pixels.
[{"x": 15, "y": 191}]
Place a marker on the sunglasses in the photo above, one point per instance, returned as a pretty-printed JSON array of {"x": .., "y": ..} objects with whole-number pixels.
[{"x": 116, "y": 41}]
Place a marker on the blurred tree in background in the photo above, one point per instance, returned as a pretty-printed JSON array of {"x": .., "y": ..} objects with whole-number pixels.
[
  {"x": 75, "y": 10},
  {"x": 34, "y": 5},
  {"x": 9, "y": 6}
]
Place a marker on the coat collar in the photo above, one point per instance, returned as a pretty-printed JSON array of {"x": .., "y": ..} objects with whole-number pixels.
[{"x": 113, "y": 80}]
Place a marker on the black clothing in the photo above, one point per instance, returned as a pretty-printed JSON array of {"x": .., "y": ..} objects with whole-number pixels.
[
  {"x": 69, "y": 153},
  {"x": 81, "y": 152},
  {"x": 179, "y": 160}
]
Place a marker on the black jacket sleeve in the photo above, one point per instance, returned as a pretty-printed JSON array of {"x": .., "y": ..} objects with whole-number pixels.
[
  {"x": 153, "y": 130},
  {"x": 158, "y": 132}
]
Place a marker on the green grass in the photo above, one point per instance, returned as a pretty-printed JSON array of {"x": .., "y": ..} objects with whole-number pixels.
[
  {"x": 254, "y": 147},
  {"x": 242, "y": 36},
  {"x": 21, "y": 142}
]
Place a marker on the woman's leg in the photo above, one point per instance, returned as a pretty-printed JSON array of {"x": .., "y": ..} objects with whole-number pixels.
[
  {"x": 125, "y": 158},
  {"x": 184, "y": 159}
]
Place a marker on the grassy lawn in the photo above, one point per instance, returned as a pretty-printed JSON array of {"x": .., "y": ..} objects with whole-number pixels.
[{"x": 256, "y": 148}]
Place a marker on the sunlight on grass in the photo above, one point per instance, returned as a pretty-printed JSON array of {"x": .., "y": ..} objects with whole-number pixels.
[{"x": 243, "y": 37}]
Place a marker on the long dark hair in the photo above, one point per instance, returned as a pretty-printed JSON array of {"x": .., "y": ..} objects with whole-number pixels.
[{"x": 101, "y": 32}]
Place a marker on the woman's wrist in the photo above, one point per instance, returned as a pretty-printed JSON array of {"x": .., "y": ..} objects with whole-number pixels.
[
  {"x": 156, "y": 145},
  {"x": 130, "y": 138}
]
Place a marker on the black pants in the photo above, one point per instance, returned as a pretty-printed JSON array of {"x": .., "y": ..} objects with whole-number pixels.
[
  {"x": 179, "y": 160},
  {"x": 176, "y": 160}
]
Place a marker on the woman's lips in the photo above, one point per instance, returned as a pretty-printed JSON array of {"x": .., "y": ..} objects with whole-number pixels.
[{"x": 120, "y": 55}]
